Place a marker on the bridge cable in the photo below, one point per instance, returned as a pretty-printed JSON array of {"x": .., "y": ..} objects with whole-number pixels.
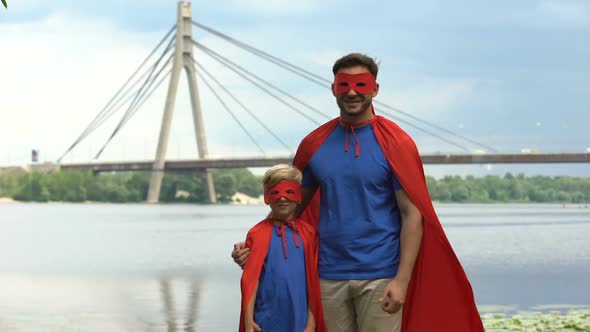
[
  {"x": 327, "y": 83},
  {"x": 123, "y": 100},
  {"x": 230, "y": 112},
  {"x": 202, "y": 68},
  {"x": 147, "y": 95},
  {"x": 153, "y": 89},
  {"x": 100, "y": 114},
  {"x": 442, "y": 138},
  {"x": 141, "y": 91},
  {"x": 166, "y": 50},
  {"x": 447, "y": 131},
  {"x": 115, "y": 107},
  {"x": 134, "y": 106},
  {"x": 228, "y": 62},
  {"x": 310, "y": 76},
  {"x": 144, "y": 96},
  {"x": 262, "y": 88},
  {"x": 216, "y": 55}
]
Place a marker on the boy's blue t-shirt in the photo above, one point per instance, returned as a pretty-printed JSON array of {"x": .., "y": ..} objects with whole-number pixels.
[
  {"x": 359, "y": 228},
  {"x": 281, "y": 299}
]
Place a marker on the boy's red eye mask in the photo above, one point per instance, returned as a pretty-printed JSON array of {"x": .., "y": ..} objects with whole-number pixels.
[
  {"x": 291, "y": 190},
  {"x": 363, "y": 83}
]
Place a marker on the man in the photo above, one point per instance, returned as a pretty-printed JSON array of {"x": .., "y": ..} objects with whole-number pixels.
[{"x": 382, "y": 251}]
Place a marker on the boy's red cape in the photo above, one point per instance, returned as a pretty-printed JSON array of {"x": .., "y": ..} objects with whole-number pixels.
[
  {"x": 258, "y": 240},
  {"x": 439, "y": 296}
]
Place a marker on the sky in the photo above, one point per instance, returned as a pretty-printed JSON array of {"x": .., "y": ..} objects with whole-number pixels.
[{"x": 512, "y": 75}]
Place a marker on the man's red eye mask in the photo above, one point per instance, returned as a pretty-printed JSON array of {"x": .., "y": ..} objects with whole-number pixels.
[{"x": 363, "y": 83}]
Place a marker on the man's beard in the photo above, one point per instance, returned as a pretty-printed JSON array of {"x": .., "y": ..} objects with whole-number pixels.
[{"x": 365, "y": 106}]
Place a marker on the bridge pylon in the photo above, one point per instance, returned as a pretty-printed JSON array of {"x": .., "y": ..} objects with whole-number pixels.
[{"x": 183, "y": 58}]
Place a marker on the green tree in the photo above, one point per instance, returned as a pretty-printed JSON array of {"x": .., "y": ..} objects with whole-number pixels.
[
  {"x": 32, "y": 188},
  {"x": 432, "y": 186},
  {"x": 564, "y": 196},
  {"x": 75, "y": 186},
  {"x": 115, "y": 193},
  {"x": 443, "y": 192},
  {"x": 577, "y": 197},
  {"x": 10, "y": 182},
  {"x": 225, "y": 187},
  {"x": 516, "y": 190},
  {"x": 169, "y": 188},
  {"x": 459, "y": 193},
  {"x": 139, "y": 182}
]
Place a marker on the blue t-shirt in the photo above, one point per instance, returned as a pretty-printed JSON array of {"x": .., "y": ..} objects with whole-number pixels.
[
  {"x": 359, "y": 228},
  {"x": 281, "y": 299}
]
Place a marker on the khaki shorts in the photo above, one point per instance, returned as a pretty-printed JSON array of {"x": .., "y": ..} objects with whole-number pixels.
[{"x": 353, "y": 306}]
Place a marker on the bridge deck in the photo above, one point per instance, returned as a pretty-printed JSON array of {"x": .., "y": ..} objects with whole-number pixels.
[{"x": 437, "y": 159}]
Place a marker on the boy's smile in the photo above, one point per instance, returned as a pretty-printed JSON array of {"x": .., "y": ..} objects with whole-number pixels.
[{"x": 283, "y": 209}]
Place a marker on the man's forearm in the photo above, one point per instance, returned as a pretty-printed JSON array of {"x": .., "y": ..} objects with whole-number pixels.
[
  {"x": 411, "y": 238},
  {"x": 306, "y": 197},
  {"x": 310, "y": 319}
]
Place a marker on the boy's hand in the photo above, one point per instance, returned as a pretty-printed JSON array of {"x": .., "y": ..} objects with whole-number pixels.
[
  {"x": 393, "y": 296},
  {"x": 240, "y": 254},
  {"x": 251, "y": 326},
  {"x": 309, "y": 329}
]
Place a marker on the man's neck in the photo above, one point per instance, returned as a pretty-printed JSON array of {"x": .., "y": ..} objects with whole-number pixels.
[{"x": 363, "y": 117}]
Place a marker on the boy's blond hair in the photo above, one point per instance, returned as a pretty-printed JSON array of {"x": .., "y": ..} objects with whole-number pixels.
[{"x": 279, "y": 173}]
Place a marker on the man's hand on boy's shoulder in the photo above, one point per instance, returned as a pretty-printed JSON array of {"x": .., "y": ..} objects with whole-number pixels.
[{"x": 240, "y": 253}]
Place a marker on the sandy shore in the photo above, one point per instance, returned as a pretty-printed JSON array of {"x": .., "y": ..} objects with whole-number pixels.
[{"x": 6, "y": 200}]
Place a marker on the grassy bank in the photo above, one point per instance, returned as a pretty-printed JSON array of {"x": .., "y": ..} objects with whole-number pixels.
[{"x": 573, "y": 320}]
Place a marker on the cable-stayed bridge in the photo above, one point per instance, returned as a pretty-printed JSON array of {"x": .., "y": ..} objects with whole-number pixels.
[{"x": 177, "y": 53}]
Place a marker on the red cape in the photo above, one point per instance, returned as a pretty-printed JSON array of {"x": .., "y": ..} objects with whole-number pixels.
[
  {"x": 258, "y": 240},
  {"x": 439, "y": 296}
]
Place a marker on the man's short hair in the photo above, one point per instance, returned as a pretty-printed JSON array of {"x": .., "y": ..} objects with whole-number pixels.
[
  {"x": 356, "y": 59},
  {"x": 279, "y": 173}
]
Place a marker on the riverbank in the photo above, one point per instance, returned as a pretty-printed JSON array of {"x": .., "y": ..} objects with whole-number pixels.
[
  {"x": 574, "y": 320},
  {"x": 242, "y": 199}
]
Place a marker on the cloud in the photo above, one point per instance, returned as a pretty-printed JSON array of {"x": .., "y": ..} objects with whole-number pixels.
[
  {"x": 57, "y": 73},
  {"x": 430, "y": 98},
  {"x": 553, "y": 15},
  {"x": 572, "y": 12},
  {"x": 325, "y": 57},
  {"x": 276, "y": 7},
  {"x": 60, "y": 71},
  {"x": 489, "y": 67}
]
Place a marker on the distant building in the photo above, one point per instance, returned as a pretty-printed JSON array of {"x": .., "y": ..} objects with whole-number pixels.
[
  {"x": 243, "y": 199},
  {"x": 41, "y": 167},
  {"x": 182, "y": 194}
]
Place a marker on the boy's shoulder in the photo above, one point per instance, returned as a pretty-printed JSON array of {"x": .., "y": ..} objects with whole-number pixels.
[{"x": 260, "y": 225}]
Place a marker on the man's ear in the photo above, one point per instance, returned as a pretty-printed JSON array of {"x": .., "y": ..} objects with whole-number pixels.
[
  {"x": 333, "y": 91},
  {"x": 376, "y": 90}
]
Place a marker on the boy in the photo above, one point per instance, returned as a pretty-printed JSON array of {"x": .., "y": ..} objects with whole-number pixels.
[{"x": 280, "y": 284}]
